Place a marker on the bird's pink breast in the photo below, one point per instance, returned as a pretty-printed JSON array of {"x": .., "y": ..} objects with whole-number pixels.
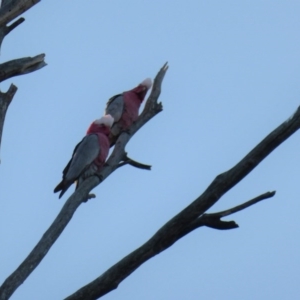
[
  {"x": 131, "y": 109},
  {"x": 104, "y": 149},
  {"x": 102, "y": 133}
]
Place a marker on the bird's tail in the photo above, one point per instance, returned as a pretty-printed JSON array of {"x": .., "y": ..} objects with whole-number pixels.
[{"x": 62, "y": 186}]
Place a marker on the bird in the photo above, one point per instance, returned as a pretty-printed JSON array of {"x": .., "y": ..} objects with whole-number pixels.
[
  {"x": 88, "y": 156},
  {"x": 124, "y": 108}
]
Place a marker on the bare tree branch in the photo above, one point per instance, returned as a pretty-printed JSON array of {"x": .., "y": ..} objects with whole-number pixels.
[
  {"x": 240, "y": 207},
  {"x": 14, "y": 68},
  {"x": 5, "y": 30},
  {"x": 81, "y": 195},
  {"x": 213, "y": 220},
  {"x": 11, "y": 9},
  {"x": 21, "y": 66},
  {"x": 128, "y": 161},
  {"x": 179, "y": 226},
  {"x": 5, "y": 2},
  {"x": 5, "y": 99}
]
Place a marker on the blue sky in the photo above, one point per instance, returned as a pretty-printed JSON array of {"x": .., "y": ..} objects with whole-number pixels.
[{"x": 233, "y": 77}]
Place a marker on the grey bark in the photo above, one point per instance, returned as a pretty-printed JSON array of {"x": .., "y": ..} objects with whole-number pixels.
[
  {"x": 81, "y": 195},
  {"x": 5, "y": 99},
  {"x": 10, "y": 9},
  {"x": 117, "y": 273},
  {"x": 5, "y": 30},
  {"x": 21, "y": 66},
  {"x": 193, "y": 216}
]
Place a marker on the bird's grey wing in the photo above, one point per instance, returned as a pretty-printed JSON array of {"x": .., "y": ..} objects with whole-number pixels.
[
  {"x": 114, "y": 107},
  {"x": 65, "y": 171},
  {"x": 86, "y": 152}
]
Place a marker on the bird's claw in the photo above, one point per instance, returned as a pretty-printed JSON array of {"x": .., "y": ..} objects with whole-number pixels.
[
  {"x": 89, "y": 196},
  {"x": 100, "y": 177},
  {"x": 127, "y": 131}
]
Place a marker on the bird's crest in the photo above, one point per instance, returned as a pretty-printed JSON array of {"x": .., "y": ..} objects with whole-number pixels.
[
  {"x": 106, "y": 120},
  {"x": 147, "y": 83}
]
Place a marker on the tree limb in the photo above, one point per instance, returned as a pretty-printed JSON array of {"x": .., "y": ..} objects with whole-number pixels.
[
  {"x": 21, "y": 66},
  {"x": 81, "y": 195},
  {"x": 13, "y": 68},
  {"x": 5, "y": 30},
  {"x": 240, "y": 207},
  {"x": 214, "y": 220},
  {"x": 128, "y": 161},
  {"x": 11, "y": 9},
  {"x": 5, "y": 100},
  {"x": 178, "y": 226},
  {"x": 5, "y": 2}
]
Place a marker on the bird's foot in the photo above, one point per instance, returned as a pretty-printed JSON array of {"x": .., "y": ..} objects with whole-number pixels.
[
  {"x": 126, "y": 131},
  {"x": 89, "y": 196},
  {"x": 99, "y": 176}
]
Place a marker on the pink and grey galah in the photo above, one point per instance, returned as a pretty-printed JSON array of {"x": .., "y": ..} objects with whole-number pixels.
[
  {"x": 89, "y": 155},
  {"x": 124, "y": 108}
]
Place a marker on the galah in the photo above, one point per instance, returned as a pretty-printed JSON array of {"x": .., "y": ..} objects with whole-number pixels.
[
  {"x": 124, "y": 108},
  {"x": 89, "y": 155}
]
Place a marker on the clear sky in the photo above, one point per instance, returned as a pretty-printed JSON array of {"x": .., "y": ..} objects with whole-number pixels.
[{"x": 233, "y": 77}]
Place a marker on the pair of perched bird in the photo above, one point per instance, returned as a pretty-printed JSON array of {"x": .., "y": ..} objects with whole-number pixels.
[{"x": 90, "y": 154}]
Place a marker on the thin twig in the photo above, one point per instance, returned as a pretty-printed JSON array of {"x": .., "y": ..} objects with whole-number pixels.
[
  {"x": 213, "y": 220},
  {"x": 240, "y": 207},
  {"x": 128, "y": 161},
  {"x": 14, "y": 25}
]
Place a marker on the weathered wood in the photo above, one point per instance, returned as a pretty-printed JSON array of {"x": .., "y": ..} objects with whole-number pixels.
[
  {"x": 128, "y": 161},
  {"x": 213, "y": 220},
  {"x": 81, "y": 195},
  {"x": 188, "y": 219},
  {"x": 14, "y": 68},
  {"x": 5, "y": 30},
  {"x": 5, "y": 100},
  {"x": 21, "y": 66},
  {"x": 12, "y": 9},
  {"x": 9, "y": 10},
  {"x": 5, "y": 2}
]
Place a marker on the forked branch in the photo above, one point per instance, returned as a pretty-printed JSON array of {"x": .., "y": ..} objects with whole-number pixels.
[
  {"x": 128, "y": 161},
  {"x": 12, "y": 9},
  {"x": 213, "y": 220},
  {"x": 5, "y": 30},
  {"x": 9, "y": 10},
  {"x": 187, "y": 219}
]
